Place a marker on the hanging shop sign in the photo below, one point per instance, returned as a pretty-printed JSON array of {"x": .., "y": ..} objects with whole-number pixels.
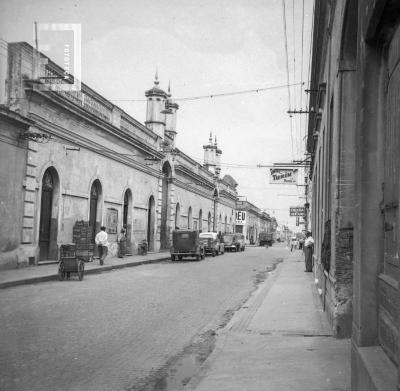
[
  {"x": 283, "y": 176},
  {"x": 297, "y": 211},
  {"x": 240, "y": 217}
]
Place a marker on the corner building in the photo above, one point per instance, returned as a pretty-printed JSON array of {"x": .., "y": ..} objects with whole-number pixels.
[
  {"x": 353, "y": 140},
  {"x": 70, "y": 157}
]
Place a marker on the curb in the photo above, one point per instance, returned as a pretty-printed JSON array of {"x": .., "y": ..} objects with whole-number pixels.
[{"x": 53, "y": 277}]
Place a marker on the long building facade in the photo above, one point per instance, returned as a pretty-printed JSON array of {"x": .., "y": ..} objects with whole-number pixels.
[
  {"x": 353, "y": 141},
  {"x": 72, "y": 159}
]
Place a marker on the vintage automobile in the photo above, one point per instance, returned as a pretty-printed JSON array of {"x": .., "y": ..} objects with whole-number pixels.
[
  {"x": 212, "y": 243},
  {"x": 186, "y": 243},
  {"x": 265, "y": 238},
  {"x": 234, "y": 242}
]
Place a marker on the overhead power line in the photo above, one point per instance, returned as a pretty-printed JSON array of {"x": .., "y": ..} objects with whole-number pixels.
[{"x": 218, "y": 95}]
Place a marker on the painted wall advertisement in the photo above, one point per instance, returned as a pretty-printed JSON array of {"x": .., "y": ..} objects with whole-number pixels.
[
  {"x": 283, "y": 176},
  {"x": 112, "y": 220}
]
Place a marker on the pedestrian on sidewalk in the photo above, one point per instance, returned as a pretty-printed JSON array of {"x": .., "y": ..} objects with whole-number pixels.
[
  {"x": 122, "y": 243},
  {"x": 308, "y": 252},
  {"x": 101, "y": 240}
]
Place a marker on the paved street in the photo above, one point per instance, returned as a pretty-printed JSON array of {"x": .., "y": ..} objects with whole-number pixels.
[{"x": 120, "y": 330}]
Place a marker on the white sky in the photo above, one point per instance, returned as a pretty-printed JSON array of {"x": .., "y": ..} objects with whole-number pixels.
[{"x": 203, "y": 47}]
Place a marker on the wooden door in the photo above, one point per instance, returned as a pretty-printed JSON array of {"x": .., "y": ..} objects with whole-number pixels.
[{"x": 45, "y": 216}]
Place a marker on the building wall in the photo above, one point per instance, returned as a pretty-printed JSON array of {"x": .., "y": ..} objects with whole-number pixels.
[
  {"x": 76, "y": 140},
  {"x": 333, "y": 136},
  {"x": 355, "y": 172},
  {"x": 12, "y": 175}
]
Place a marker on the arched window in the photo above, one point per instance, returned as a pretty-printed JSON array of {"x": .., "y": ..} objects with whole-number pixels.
[
  {"x": 190, "y": 220},
  {"x": 177, "y": 216},
  {"x": 200, "y": 220}
]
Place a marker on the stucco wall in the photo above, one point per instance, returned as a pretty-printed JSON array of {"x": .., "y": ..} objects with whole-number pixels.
[{"x": 12, "y": 174}]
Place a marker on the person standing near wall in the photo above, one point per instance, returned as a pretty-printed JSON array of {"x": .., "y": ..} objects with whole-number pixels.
[
  {"x": 122, "y": 243},
  {"x": 101, "y": 240},
  {"x": 308, "y": 252}
]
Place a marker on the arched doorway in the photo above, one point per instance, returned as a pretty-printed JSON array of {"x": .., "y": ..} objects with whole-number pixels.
[
  {"x": 209, "y": 222},
  {"x": 48, "y": 224},
  {"x": 95, "y": 208},
  {"x": 165, "y": 210},
  {"x": 200, "y": 220},
  {"x": 151, "y": 219},
  {"x": 177, "y": 216},
  {"x": 127, "y": 219}
]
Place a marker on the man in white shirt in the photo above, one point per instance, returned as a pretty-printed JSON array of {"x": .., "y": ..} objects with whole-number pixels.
[{"x": 101, "y": 240}]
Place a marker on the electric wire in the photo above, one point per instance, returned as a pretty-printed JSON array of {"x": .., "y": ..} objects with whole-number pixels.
[
  {"x": 217, "y": 95},
  {"x": 287, "y": 72}
]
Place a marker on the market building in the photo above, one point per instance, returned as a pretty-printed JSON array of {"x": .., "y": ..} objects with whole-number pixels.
[
  {"x": 70, "y": 158},
  {"x": 353, "y": 141}
]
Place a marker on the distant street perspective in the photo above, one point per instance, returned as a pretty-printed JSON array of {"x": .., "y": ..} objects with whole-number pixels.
[{"x": 122, "y": 330}]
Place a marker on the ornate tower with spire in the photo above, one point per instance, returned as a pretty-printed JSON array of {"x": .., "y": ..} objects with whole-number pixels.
[
  {"x": 155, "y": 115},
  {"x": 218, "y": 154},
  {"x": 210, "y": 155},
  {"x": 170, "y": 118}
]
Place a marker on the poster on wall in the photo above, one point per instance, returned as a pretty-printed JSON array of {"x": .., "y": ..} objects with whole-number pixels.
[
  {"x": 283, "y": 176},
  {"x": 240, "y": 217},
  {"x": 112, "y": 220}
]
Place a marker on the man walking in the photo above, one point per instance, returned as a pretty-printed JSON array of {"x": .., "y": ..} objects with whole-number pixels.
[{"x": 101, "y": 240}]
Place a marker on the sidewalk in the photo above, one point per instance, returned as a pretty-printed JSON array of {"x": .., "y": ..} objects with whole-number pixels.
[
  {"x": 36, "y": 274},
  {"x": 278, "y": 341}
]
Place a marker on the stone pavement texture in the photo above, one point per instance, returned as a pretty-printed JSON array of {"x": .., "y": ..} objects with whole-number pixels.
[
  {"x": 48, "y": 272},
  {"x": 278, "y": 341}
]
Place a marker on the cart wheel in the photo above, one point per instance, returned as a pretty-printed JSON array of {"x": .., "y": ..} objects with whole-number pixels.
[
  {"x": 81, "y": 270},
  {"x": 61, "y": 272}
]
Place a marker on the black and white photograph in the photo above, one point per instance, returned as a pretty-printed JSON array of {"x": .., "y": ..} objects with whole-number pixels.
[{"x": 199, "y": 195}]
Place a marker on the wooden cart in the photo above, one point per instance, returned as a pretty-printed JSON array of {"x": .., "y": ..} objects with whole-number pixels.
[{"x": 70, "y": 263}]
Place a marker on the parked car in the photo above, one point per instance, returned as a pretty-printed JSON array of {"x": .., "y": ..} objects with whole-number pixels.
[
  {"x": 230, "y": 243},
  {"x": 234, "y": 242},
  {"x": 265, "y": 238},
  {"x": 212, "y": 243},
  {"x": 186, "y": 243}
]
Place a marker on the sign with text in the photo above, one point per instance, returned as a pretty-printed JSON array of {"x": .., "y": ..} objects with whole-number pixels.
[
  {"x": 297, "y": 211},
  {"x": 283, "y": 176},
  {"x": 240, "y": 217}
]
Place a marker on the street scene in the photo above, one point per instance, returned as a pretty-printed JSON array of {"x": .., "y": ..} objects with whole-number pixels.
[{"x": 199, "y": 195}]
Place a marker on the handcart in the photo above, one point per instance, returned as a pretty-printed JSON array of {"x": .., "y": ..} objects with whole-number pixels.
[{"x": 70, "y": 262}]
